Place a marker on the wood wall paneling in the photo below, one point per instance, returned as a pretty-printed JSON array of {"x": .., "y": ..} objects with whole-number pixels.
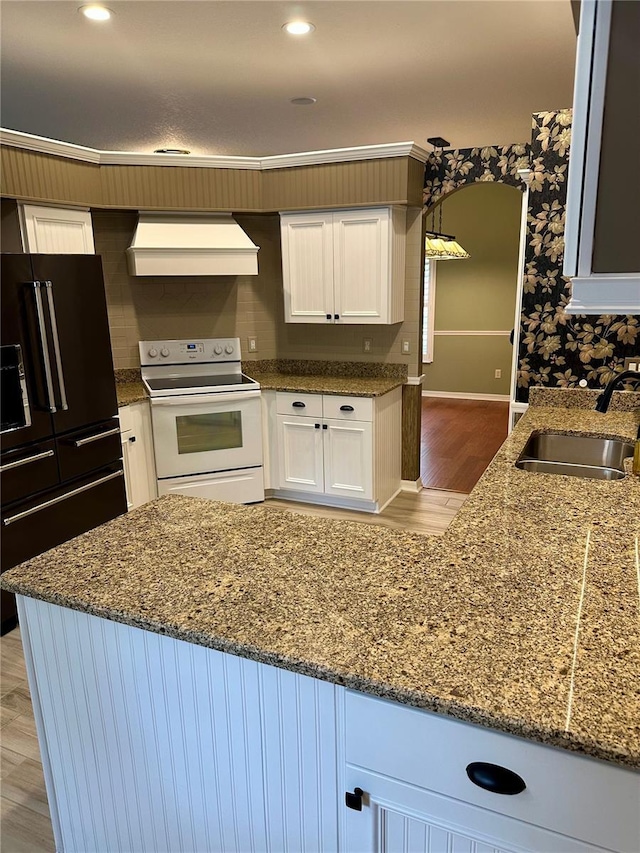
[
  {"x": 361, "y": 182},
  {"x": 32, "y": 176},
  {"x": 411, "y": 429},
  {"x": 181, "y": 188}
]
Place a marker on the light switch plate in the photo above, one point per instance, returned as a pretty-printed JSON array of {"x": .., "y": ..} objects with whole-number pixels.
[{"x": 406, "y": 347}]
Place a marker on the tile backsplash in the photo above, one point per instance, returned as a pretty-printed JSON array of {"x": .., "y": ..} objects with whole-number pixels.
[{"x": 155, "y": 308}]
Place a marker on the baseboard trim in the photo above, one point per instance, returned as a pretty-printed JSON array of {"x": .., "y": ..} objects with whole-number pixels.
[
  {"x": 414, "y": 486},
  {"x": 465, "y": 395},
  {"x": 387, "y": 502},
  {"x": 324, "y": 500}
]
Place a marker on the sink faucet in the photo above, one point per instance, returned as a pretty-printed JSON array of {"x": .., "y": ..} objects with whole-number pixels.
[{"x": 604, "y": 399}]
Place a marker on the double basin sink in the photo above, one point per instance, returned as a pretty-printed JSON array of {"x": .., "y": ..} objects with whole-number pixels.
[{"x": 575, "y": 455}]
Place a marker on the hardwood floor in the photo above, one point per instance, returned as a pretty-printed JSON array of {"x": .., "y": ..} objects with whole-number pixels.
[{"x": 459, "y": 440}]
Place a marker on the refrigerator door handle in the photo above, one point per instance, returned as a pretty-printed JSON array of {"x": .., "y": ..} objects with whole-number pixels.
[
  {"x": 18, "y": 462},
  {"x": 56, "y": 346},
  {"x": 19, "y": 515},
  {"x": 45, "y": 348}
]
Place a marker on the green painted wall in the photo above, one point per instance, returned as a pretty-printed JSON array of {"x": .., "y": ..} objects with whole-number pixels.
[{"x": 479, "y": 293}]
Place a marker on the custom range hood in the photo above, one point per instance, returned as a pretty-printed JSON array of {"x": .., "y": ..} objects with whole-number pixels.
[{"x": 191, "y": 244}]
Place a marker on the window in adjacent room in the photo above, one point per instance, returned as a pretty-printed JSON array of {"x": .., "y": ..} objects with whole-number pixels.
[{"x": 428, "y": 310}]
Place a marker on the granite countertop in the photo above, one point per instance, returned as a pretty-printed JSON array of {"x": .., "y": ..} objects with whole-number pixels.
[
  {"x": 349, "y": 385},
  {"x": 129, "y": 387},
  {"x": 522, "y": 618}
]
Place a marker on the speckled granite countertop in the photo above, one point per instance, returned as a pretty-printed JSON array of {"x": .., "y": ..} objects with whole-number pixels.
[
  {"x": 523, "y": 617},
  {"x": 129, "y": 387},
  {"x": 351, "y": 386}
]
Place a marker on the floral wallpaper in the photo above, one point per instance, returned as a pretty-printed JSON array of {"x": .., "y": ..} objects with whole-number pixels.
[{"x": 556, "y": 349}]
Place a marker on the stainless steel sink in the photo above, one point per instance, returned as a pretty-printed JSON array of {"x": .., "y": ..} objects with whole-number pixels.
[{"x": 575, "y": 455}]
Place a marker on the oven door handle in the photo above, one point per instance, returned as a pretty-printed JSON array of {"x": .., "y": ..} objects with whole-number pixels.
[{"x": 205, "y": 399}]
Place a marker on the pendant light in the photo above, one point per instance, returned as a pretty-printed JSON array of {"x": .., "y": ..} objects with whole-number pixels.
[{"x": 439, "y": 246}]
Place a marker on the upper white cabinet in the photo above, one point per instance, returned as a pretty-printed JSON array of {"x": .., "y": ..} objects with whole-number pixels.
[
  {"x": 602, "y": 250},
  {"x": 344, "y": 266},
  {"x": 56, "y": 230}
]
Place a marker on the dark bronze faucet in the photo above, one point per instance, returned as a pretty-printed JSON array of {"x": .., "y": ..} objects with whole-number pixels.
[{"x": 604, "y": 399}]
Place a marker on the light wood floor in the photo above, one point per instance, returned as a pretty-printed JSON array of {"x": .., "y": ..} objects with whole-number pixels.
[{"x": 25, "y": 825}]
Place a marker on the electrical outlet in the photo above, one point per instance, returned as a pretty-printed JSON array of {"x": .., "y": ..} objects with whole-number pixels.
[
  {"x": 253, "y": 345},
  {"x": 632, "y": 363},
  {"x": 498, "y": 373},
  {"x": 367, "y": 345},
  {"x": 406, "y": 347}
]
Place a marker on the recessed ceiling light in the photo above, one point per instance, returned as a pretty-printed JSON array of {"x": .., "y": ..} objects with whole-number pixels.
[
  {"x": 172, "y": 151},
  {"x": 298, "y": 28},
  {"x": 302, "y": 102},
  {"x": 96, "y": 13}
]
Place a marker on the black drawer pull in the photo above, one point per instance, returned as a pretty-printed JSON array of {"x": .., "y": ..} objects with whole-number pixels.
[
  {"x": 336, "y": 316},
  {"x": 298, "y": 405},
  {"x": 354, "y": 800},
  {"x": 317, "y": 426},
  {"x": 324, "y": 426},
  {"x": 346, "y": 408},
  {"x": 494, "y": 778},
  {"x": 328, "y": 316}
]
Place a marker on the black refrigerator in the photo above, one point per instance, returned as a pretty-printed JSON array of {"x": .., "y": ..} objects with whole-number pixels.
[{"x": 60, "y": 464}]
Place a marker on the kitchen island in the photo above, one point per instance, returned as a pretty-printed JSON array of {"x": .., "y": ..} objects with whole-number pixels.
[{"x": 316, "y": 653}]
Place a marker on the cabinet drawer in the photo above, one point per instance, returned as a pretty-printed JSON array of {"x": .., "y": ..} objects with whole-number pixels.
[
  {"x": 564, "y": 792},
  {"x": 302, "y": 405},
  {"x": 350, "y": 408},
  {"x": 88, "y": 449},
  {"x": 28, "y": 470}
]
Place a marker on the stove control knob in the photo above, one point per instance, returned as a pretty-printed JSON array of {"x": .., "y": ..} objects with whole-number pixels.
[
  {"x": 217, "y": 349},
  {"x": 164, "y": 351},
  {"x": 153, "y": 352},
  {"x": 228, "y": 349}
]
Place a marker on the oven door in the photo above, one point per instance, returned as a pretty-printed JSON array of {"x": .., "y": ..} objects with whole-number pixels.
[{"x": 201, "y": 433}]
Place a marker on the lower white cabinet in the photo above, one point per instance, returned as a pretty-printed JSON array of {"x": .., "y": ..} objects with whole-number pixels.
[
  {"x": 152, "y": 743},
  {"x": 338, "y": 450},
  {"x": 137, "y": 453}
]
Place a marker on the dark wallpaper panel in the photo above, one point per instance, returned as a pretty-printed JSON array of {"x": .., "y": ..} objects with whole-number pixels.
[{"x": 556, "y": 349}]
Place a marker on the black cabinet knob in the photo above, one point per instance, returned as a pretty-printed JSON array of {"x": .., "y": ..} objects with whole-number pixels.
[
  {"x": 317, "y": 426},
  {"x": 492, "y": 777},
  {"x": 328, "y": 316},
  {"x": 354, "y": 800},
  {"x": 346, "y": 408},
  {"x": 298, "y": 405},
  {"x": 324, "y": 426},
  {"x": 132, "y": 439},
  {"x": 336, "y": 316}
]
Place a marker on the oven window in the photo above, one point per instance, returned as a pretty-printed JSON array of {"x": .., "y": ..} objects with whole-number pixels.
[{"x": 214, "y": 431}]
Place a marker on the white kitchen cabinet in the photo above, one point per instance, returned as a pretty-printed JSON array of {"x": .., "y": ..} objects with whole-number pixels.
[
  {"x": 137, "y": 454},
  {"x": 337, "y": 450},
  {"x": 56, "y": 230},
  {"x": 411, "y": 766},
  {"x": 344, "y": 266},
  {"x": 602, "y": 253}
]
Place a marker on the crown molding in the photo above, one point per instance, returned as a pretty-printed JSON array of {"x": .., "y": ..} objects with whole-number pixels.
[{"x": 30, "y": 142}]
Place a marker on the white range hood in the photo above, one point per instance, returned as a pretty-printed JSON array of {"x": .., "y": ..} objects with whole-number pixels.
[{"x": 191, "y": 244}]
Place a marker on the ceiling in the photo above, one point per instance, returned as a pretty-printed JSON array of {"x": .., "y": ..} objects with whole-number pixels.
[{"x": 217, "y": 76}]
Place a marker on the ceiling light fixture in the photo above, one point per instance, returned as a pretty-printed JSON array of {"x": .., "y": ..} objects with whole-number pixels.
[
  {"x": 303, "y": 102},
  {"x": 172, "y": 151},
  {"x": 439, "y": 246},
  {"x": 298, "y": 28},
  {"x": 96, "y": 13}
]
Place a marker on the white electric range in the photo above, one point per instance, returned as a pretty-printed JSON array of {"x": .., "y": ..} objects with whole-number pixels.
[{"x": 206, "y": 417}]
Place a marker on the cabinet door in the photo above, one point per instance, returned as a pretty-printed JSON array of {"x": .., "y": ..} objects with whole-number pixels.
[
  {"x": 300, "y": 454},
  {"x": 137, "y": 454},
  {"x": 348, "y": 459},
  {"x": 396, "y": 816},
  {"x": 307, "y": 267},
  {"x": 361, "y": 266},
  {"x": 57, "y": 231}
]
